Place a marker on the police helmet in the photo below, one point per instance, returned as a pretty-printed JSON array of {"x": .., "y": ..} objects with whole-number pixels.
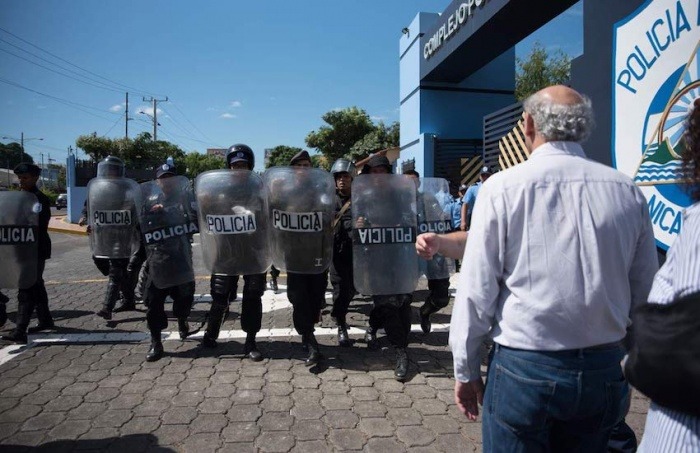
[
  {"x": 111, "y": 166},
  {"x": 240, "y": 153},
  {"x": 343, "y": 166}
]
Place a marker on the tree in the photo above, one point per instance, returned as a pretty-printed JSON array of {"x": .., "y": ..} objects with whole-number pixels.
[
  {"x": 11, "y": 155},
  {"x": 281, "y": 155},
  {"x": 196, "y": 163},
  {"x": 345, "y": 127},
  {"x": 382, "y": 137},
  {"x": 141, "y": 152},
  {"x": 539, "y": 70}
]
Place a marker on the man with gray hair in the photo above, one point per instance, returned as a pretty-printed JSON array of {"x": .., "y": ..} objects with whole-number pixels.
[{"x": 560, "y": 251}]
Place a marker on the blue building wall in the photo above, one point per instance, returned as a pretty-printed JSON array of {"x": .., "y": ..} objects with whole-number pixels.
[
  {"x": 76, "y": 195},
  {"x": 433, "y": 110}
]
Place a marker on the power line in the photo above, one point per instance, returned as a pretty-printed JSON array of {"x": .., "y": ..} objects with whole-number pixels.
[
  {"x": 143, "y": 92},
  {"x": 75, "y": 105},
  {"x": 193, "y": 125},
  {"x": 102, "y": 86},
  {"x": 119, "y": 120}
]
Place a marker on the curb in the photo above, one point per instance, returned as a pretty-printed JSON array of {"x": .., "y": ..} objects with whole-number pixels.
[{"x": 56, "y": 227}]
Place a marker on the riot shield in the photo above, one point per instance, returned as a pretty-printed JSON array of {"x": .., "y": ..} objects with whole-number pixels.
[
  {"x": 432, "y": 207},
  {"x": 113, "y": 216},
  {"x": 19, "y": 235},
  {"x": 233, "y": 222},
  {"x": 301, "y": 210},
  {"x": 383, "y": 251},
  {"x": 168, "y": 221}
]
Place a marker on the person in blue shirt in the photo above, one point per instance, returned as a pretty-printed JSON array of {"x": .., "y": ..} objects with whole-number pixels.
[{"x": 470, "y": 198}]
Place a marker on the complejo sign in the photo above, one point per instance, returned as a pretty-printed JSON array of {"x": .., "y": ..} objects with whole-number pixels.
[
  {"x": 450, "y": 27},
  {"x": 655, "y": 82}
]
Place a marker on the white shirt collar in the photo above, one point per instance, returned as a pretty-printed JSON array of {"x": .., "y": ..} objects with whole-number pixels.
[{"x": 554, "y": 148}]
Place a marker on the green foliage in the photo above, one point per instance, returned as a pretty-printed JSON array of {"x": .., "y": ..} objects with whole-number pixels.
[
  {"x": 141, "y": 152},
  {"x": 196, "y": 163},
  {"x": 344, "y": 128},
  {"x": 11, "y": 155},
  {"x": 539, "y": 70},
  {"x": 281, "y": 155},
  {"x": 382, "y": 137},
  {"x": 50, "y": 193}
]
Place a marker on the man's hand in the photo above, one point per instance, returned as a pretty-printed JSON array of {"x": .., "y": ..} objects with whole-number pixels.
[
  {"x": 463, "y": 226},
  {"x": 89, "y": 229},
  {"x": 82, "y": 221},
  {"x": 427, "y": 245},
  {"x": 360, "y": 223},
  {"x": 467, "y": 395}
]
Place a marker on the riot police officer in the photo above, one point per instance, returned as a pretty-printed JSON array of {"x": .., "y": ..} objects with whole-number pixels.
[
  {"x": 167, "y": 223},
  {"x": 438, "y": 288},
  {"x": 390, "y": 311},
  {"x": 239, "y": 156},
  {"x": 343, "y": 172},
  {"x": 111, "y": 168},
  {"x": 34, "y": 296},
  {"x": 306, "y": 291}
]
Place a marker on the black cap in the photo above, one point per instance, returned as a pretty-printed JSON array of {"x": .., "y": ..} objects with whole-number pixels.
[
  {"x": 486, "y": 170},
  {"x": 301, "y": 155},
  {"x": 378, "y": 160},
  {"x": 26, "y": 167},
  {"x": 463, "y": 187},
  {"x": 165, "y": 169}
]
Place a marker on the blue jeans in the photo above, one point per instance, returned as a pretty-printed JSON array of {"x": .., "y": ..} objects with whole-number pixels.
[{"x": 562, "y": 401}]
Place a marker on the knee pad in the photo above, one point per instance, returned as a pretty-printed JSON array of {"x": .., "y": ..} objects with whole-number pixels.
[{"x": 221, "y": 284}]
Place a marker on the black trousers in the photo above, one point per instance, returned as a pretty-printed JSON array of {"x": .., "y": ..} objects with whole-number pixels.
[
  {"x": 183, "y": 297},
  {"x": 393, "y": 313},
  {"x": 251, "y": 307},
  {"x": 438, "y": 296},
  {"x": 274, "y": 272},
  {"x": 118, "y": 281},
  {"x": 32, "y": 298},
  {"x": 343, "y": 287},
  {"x": 307, "y": 293}
]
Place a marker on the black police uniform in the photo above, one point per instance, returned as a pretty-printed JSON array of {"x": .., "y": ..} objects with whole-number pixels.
[
  {"x": 341, "y": 267},
  {"x": 306, "y": 292},
  {"x": 35, "y": 297},
  {"x": 222, "y": 287},
  {"x": 438, "y": 288},
  {"x": 183, "y": 294}
]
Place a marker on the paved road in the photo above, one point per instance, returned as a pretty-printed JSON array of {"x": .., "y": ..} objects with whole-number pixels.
[{"x": 87, "y": 387}]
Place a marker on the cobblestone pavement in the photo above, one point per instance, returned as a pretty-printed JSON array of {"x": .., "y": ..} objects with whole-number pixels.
[{"x": 72, "y": 391}]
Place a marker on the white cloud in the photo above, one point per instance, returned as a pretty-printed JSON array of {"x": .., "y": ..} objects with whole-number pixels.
[
  {"x": 377, "y": 118},
  {"x": 212, "y": 109},
  {"x": 236, "y": 103},
  {"x": 227, "y": 115},
  {"x": 148, "y": 110},
  {"x": 116, "y": 108}
]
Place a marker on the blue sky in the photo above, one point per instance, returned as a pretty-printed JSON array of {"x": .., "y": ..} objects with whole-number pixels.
[{"x": 260, "y": 73}]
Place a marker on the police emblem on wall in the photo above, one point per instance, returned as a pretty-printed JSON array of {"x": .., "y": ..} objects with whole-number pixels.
[{"x": 655, "y": 82}]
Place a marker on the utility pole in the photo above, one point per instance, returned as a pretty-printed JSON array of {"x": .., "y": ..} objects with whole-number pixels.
[
  {"x": 155, "y": 114},
  {"x": 126, "y": 116}
]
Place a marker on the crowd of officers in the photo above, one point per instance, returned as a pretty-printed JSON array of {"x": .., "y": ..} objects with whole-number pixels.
[{"x": 306, "y": 291}]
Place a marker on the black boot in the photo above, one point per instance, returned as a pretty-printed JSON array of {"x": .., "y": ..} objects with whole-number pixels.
[
  {"x": 273, "y": 284},
  {"x": 401, "y": 364},
  {"x": 217, "y": 315},
  {"x": 371, "y": 339},
  {"x": 183, "y": 328},
  {"x": 3, "y": 310},
  {"x": 40, "y": 327},
  {"x": 314, "y": 350},
  {"x": 156, "y": 351},
  {"x": 45, "y": 321},
  {"x": 109, "y": 302},
  {"x": 343, "y": 338},
  {"x": 250, "y": 349},
  {"x": 16, "y": 336},
  {"x": 125, "y": 306}
]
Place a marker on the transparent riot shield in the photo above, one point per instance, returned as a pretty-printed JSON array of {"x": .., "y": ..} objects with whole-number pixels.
[
  {"x": 233, "y": 222},
  {"x": 168, "y": 222},
  {"x": 384, "y": 217},
  {"x": 301, "y": 210},
  {"x": 432, "y": 206},
  {"x": 113, "y": 216},
  {"x": 19, "y": 236}
]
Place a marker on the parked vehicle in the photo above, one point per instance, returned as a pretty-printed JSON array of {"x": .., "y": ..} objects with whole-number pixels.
[{"x": 62, "y": 201}]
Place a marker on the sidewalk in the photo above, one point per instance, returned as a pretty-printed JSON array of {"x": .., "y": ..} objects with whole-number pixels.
[{"x": 60, "y": 224}]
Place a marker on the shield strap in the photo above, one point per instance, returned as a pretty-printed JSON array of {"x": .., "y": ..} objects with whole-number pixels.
[{"x": 342, "y": 211}]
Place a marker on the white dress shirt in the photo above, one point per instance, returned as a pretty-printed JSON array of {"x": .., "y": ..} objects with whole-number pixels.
[{"x": 560, "y": 250}]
